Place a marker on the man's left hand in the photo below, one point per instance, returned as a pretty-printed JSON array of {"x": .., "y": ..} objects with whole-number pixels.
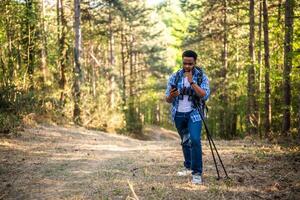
[{"x": 189, "y": 75}]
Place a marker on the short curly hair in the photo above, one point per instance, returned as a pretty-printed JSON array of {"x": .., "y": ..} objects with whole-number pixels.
[{"x": 189, "y": 53}]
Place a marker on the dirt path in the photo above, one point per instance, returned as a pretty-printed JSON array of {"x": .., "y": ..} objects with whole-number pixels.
[{"x": 74, "y": 163}]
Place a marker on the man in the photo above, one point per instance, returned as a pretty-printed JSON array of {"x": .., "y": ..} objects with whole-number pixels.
[{"x": 184, "y": 91}]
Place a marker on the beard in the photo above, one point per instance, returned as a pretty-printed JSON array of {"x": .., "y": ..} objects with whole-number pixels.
[{"x": 188, "y": 69}]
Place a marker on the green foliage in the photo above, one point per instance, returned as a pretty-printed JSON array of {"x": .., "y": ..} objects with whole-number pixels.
[
  {"x": 16, "y": 101},
  {"x": 15, "y": 104},
  {"x": 205, "y": 32},
  {"x": 8, "y": 122},
  {"x": 133, "y": 122},
  {"x": 128, "y": 52}
]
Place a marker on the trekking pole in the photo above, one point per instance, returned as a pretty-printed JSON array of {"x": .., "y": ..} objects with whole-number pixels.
[
  {"x": 219, "y": 156},
  {"x": 213, "y": 155},
  {"x": 210, "y": 140},
  {"x": 211, "y": 149}
]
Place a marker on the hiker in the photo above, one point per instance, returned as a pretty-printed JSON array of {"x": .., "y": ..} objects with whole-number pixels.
[{"x": 187, "y": 88}]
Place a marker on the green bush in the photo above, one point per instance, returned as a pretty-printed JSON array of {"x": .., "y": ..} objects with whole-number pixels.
[
  {"x": 8, "y": 122},
  {"x": 133, "y": 120}
]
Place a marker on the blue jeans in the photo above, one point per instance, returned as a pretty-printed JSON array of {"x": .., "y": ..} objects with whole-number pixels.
[{"x": 190, "y": 134}]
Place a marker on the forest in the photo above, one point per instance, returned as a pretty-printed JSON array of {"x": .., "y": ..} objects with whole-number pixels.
[
  {"x": 104, "y": 64},
  {"x": 83, "y": 111}
]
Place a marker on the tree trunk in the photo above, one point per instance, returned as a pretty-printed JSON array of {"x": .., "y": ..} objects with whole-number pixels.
[
  {"x": 131, "y": 65},
  {"x": 267, "y": 117},
  {"x": 62, "y": 51},
  {"x": 288, "y": 49},
  {"x": 44, "y": 52},
  {"x": 224, "y": 115},
  {"x": 111, "y": 76},
  {"x": 93, "y": 63},
  {"x": 233, "y": 123},
  {"x": 252, "y": 106},
  {"x": 9, "y": 78},
  {"x": 259, "y": 58},
  {"x": 279, "y": 11},
  {"x": 30, "y": 43},
  {"x": 123, "y": 67},
  {"x": 131, "y": 111},
  {"x": 77, "y": 67}
]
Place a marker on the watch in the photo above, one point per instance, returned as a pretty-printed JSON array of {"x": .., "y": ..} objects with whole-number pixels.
[{"x": 192, "y": 83}]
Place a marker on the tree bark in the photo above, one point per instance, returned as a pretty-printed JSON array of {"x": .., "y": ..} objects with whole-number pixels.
[
  {"x": 288, "y": 49},
  {"x": 30, "y": 43},
  {"x": 77, "y": 67},
  {"x": 252, "y": 105},
  {"x": 111, "y": 77},
  {"x": 131, "y": 64},
  {"x": 267, "y": 103},
  {"x": 224, "y": 115},
  {"x": 123, "y": 67},
  {"x": 44, "y": 52},
  {"x": 259, "y": 60},
  {"x": 62, "y": 51},
  {"x": 279, "y": 11},
  {"x": 10, "y": 65}
]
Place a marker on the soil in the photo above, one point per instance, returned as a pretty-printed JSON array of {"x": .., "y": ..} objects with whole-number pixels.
[{"x": 54, "y": 162}]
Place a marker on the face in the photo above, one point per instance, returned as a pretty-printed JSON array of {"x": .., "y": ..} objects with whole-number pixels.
[{"x": 188, "y": 63}]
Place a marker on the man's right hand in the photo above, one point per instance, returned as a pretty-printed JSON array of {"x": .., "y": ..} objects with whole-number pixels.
[{"x": 173, "y": 93}]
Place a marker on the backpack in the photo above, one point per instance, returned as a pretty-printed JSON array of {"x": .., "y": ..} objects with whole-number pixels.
[{"x": 197, "y": 101}]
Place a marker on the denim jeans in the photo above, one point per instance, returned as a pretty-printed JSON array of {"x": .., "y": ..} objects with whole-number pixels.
[{"x": 190, "y": 134}]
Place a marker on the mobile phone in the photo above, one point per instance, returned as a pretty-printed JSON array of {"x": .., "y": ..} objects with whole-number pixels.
[{"x": 174, "y": 86}]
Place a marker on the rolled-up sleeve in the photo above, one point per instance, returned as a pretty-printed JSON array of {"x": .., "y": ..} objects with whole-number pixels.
[{"x": 205, "y": 86}]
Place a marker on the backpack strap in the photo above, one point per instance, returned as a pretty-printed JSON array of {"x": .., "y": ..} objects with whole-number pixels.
[
  {"x": 200, "y": 77},
  {"x": 198, "y": 100}
]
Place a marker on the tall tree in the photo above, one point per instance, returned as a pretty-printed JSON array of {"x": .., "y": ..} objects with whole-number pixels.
[
  {"x": 267, "y": 121},
  {"x": 62, "y": 50},
  {"x": 77, "y": 67},
  {"x": 288, "y": 49},
  {"x": 111, "y": 58},
  {"x": 44, "y": 53},
  {"x": 252, "y": 105},
  {"x": 259, "y": 61},
  {"x": 30, "y": 41},
  {"x": 8, "y": 74},
  {"x": 223, "y": 97},
  {"x": 123, "y": 63}
]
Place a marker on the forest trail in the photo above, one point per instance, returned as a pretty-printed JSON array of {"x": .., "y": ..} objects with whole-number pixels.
[{"x": 52, "y": 162}]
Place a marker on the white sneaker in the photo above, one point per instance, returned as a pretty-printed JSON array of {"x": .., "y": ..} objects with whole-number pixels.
[
  {"x": 197, "y": 179},
  {"x": 184, "y": 172}
]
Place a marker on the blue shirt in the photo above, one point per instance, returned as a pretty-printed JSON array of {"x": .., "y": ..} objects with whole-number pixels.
[{"x": 195, "y": 116}]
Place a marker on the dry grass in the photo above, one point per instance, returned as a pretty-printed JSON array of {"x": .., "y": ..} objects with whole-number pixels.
[{"x": 73, "y": 163}]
